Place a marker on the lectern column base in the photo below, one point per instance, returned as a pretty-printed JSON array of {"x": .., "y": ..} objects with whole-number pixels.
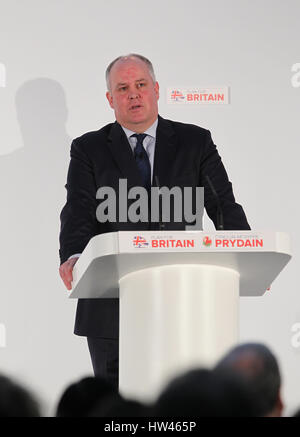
[{"x": 173, "y": 318}]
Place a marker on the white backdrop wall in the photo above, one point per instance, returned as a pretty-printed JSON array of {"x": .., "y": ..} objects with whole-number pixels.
[{"x": 53, "y": 54}]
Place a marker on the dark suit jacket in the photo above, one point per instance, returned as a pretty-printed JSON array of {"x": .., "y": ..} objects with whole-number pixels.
[{"x": 184, "y": 154}]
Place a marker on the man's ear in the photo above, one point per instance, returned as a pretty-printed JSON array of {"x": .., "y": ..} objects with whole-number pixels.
[
  {"x": 156, "y": 88},
  {"x": 110, "y": 99}
]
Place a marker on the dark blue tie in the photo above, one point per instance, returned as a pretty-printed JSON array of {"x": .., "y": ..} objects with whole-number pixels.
[{"x": 142, "y": 161}]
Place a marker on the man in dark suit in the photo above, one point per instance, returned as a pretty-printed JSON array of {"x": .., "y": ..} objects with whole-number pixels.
[{"x": 173, "y": 153}]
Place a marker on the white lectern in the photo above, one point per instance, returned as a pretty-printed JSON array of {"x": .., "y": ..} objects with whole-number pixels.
[{"x": 179, "y": 295}]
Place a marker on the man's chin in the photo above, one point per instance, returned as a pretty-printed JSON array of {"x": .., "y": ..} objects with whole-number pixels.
[
  {"x": 137, "y": 118},
  {"x": 133, "y": 123},
  {"x": 137, "y": 121}
]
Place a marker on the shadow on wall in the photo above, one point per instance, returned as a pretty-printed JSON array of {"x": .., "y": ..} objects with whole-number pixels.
[{"x": 32, "y": 195}]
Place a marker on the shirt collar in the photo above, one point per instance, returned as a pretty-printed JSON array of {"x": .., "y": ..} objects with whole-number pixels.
[{"x": 151, "y": 131}]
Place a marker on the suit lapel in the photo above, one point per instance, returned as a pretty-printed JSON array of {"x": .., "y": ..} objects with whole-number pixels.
[
  {"x": 165, "y": 152},
  {"x": 123, "y": 156}
]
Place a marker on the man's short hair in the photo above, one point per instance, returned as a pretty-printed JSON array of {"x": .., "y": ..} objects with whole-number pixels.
[
  {"x": 259, "y": 367},
  {"x": 131, "y": 55}
]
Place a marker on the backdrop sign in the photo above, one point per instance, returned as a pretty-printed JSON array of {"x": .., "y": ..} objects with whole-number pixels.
[{"x": 198, "y": 95}]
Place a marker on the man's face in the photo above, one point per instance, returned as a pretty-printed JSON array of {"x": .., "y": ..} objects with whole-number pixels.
[{"x": 133, "y": 95}]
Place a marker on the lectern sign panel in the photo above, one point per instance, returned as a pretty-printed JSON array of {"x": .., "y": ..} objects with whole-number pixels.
[
  {"x": 196, "y": 241},
  {"x": 256, "y": 256}
]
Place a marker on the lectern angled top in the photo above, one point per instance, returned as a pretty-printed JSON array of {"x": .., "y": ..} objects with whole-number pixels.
[{"x": 257, "y": 256}]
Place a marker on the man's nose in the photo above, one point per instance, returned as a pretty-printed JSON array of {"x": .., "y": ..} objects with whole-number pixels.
[{"x": 133, "y": 94}]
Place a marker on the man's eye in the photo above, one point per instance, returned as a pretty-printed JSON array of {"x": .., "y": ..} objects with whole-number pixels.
[
  {"x": 141, "y": 84},
  {"x": 122, "y": 88}
]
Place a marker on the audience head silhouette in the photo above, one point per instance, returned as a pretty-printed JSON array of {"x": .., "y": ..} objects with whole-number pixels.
[
  {"x": 117, "y": 406},
  {"x": 16, "y": 401},
  {"x": 81, "y": 397},
  {"x": 260, "y": 370},
  {"x": 206, "y": 393}
]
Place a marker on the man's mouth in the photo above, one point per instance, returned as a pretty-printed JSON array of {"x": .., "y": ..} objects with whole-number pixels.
[{"x": 135, "y": 107}]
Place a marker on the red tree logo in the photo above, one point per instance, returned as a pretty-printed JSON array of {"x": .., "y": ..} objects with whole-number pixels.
[{"x": 207, "y": 241}]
